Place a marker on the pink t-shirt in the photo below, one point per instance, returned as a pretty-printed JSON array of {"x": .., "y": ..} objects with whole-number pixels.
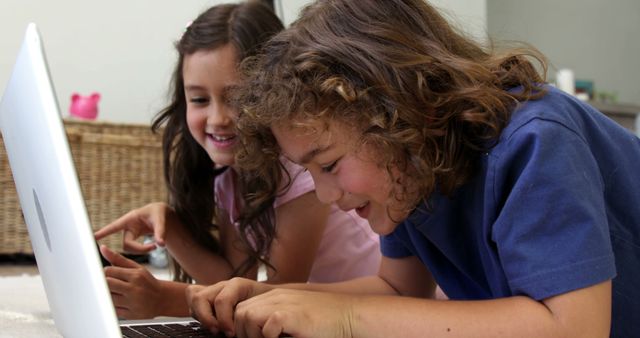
[{"x": 348, "y": 249}]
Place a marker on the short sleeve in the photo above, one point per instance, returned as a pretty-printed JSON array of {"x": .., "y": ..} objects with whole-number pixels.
[
  {"x": 301, "y": 183},
  {"x": 552, "y": 231},
  {"x": 392, "y": 245}
]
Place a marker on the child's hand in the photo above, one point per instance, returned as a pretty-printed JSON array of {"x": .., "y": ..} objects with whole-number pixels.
[
  {"x": 135, "y": 292},
  {"x": 214, "y": 305},
  {"x": 150, "y": 219},
  {"x": 295, "y": 313}
]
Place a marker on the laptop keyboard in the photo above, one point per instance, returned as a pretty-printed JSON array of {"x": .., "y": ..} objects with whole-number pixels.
[{"x": 190, "y": 329}]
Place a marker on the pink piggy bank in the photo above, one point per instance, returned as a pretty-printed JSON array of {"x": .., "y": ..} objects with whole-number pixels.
[{"x": 84, "y": 107}]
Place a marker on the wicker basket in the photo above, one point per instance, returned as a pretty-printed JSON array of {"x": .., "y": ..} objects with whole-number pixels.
[{"x": 119, "y": 167}]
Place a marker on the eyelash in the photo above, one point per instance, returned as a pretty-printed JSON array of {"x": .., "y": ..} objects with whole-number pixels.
[
  {"x": 330, "y": 167},
  {"x": 198, "y": 100}
]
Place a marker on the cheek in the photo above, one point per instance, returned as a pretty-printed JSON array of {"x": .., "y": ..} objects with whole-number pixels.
[
  {"x": 367, "y": 180},
  {"x": 194, "y": 123}
]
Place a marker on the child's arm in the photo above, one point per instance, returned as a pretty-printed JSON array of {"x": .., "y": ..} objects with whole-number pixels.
[
  {"x": 160, "y": 220},
  {"x": 581, "y": 313},
  {"x": 300, "y": 225},
  {"x": 205, "y": 266},
  {"x": 208, "y": 268},
  {"x": 137, "y": 294},
  {"x": 412, "y": 279}
]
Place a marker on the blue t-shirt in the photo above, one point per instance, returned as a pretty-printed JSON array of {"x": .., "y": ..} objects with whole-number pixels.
[{"x": 554, "y": 207}]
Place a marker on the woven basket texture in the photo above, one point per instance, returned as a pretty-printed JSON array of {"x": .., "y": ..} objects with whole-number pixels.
[{"x": 119, "y": 167}]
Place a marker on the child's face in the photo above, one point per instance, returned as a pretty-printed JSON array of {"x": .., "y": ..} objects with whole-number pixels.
[
  {"x": 208, "y": 77},
  {"x": 343, "y": 173}
]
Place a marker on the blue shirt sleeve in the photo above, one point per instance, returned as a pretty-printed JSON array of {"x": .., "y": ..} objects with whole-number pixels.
[
  {"x": 551, "y": 233},
  {"x": 392, "y": 245}
]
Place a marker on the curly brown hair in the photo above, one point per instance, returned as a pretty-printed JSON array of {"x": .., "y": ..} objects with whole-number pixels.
[
  {"x": 188, "y": 169},
  {"x": 428, "y": 98}
]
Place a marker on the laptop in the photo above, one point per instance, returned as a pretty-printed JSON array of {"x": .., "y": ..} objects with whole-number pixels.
[{"x": 54, "y": 209}]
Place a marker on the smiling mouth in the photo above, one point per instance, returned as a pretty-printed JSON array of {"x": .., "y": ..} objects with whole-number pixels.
[
  {"x": 362, "y": 210},
  {"x": 222, "y": 138},
  {"x": 222, "y": 142}
]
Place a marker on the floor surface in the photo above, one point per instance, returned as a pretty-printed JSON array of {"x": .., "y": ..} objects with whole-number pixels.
[{"x": 24, "y": 311}]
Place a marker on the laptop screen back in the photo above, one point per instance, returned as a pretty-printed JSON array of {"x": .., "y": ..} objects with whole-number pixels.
[{"x": 51, "y": 199}]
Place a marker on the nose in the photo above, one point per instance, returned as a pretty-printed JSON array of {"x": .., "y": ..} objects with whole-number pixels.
[
  {"x": 219, "y": 115},
  {"x": 327, "y": 189}
]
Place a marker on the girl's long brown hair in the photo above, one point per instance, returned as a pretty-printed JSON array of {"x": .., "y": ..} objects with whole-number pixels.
[
  {"x": 429, "y": 99},
  {"x": 188, "y": 169}
]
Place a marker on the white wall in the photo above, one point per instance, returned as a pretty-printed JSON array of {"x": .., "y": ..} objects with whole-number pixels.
[
  {"x": 598, "y": 39},
  {"x": 124, "y": 48},
  {"x": 120, "y": 48},
  {"x": 469, "y": 15}
]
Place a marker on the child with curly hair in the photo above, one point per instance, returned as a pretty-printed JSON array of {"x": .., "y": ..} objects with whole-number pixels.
[{"x": 519, "y": 200}]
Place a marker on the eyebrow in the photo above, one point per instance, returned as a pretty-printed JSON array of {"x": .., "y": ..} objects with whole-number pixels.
[
  {"x": 306, "y": 158},
  {"x": 193, "y": 87},
  {"x": 199, "y": 87}
]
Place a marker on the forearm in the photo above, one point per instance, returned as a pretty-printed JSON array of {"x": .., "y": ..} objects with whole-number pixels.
[
  {"x": 372, "y": 285},
  {"x": 174, "y": 302},
  {"x": 383, "y": 316},
  {"x": 202, "y": 264},
  {"x": 207, "y": 268}
]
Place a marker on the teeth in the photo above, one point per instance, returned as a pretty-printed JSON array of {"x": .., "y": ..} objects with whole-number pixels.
[
  {"x": 362, "y": 205},
  {"x": 222, "y": 138}
]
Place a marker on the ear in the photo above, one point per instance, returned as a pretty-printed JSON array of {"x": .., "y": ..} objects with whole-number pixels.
[
  {"x": 75, "y": 97},
  {"x": 95, "y": 96}
]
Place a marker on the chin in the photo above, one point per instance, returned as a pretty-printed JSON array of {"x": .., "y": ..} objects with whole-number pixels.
[
  {"x": 223, "y": 160},
  {"x": 383, "y": 228}
]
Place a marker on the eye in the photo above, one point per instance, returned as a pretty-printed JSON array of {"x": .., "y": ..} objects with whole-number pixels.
[
  {"x": 329, "y": 168},
  {"x": 199, "y": 100}
]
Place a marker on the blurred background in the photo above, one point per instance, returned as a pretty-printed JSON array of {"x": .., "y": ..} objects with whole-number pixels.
[{"x": 124, "y": 49}]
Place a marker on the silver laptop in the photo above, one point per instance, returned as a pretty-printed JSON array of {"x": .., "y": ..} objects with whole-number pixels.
[{"x": 53, "y": 207}]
